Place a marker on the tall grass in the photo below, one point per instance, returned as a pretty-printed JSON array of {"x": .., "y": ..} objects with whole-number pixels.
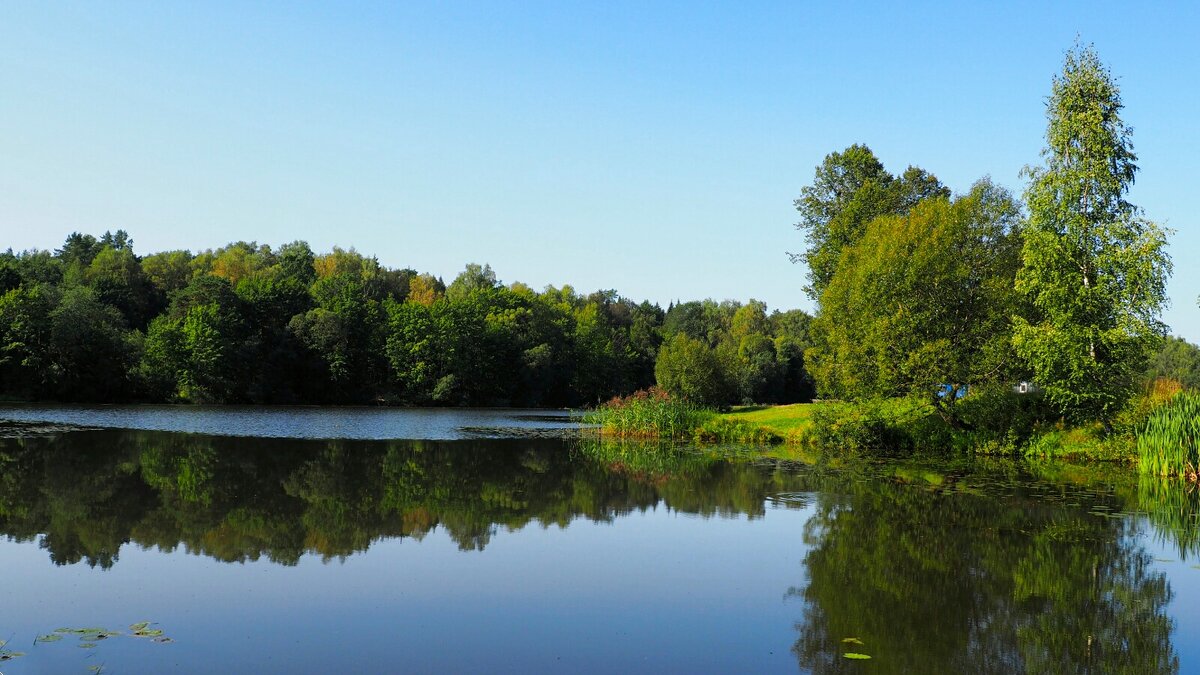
[
  {"x": 1170, "y": 443},
  {"x": 649, "y": 413}
]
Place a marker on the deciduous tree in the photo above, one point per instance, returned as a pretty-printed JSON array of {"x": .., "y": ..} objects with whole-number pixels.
[{"x": 1094, "y": 269}]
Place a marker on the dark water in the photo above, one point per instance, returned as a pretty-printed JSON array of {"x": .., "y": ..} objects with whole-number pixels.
[{"x": 558, "y": 555}]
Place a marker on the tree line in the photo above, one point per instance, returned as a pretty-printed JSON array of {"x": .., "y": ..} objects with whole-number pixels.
[{"x": 248, "y": 323}]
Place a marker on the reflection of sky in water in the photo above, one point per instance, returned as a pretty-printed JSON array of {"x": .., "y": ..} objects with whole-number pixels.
[
  {"x": 651, "y": 592},
  {"x": 377, "y": 423},
  {"x": 969, "y": 570},
  {"x": 1184, "y": 608}
]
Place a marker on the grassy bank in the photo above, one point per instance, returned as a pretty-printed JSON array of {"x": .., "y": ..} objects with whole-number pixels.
[
  {"x": 652, "y": 413},
  {"x": 788, "y": 421},
  {"x": 995, "y": 425}
]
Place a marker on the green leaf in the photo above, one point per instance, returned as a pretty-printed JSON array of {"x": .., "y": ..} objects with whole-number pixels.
[
  {"x": 856, "y": 656},
  {"x": 141, "y": 625},
  {"x": 852, "y": 640},
  {"x": 52, "y": 637}
]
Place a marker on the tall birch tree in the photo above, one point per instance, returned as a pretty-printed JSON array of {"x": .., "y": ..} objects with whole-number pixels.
[{"x": 1094, "y": 269}]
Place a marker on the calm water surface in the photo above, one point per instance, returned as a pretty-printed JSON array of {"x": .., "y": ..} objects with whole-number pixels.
[
  {"x": 296, "y": 555},
  {"x": 348, "y": 422}
]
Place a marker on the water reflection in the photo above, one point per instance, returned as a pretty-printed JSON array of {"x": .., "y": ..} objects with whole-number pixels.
[
  {"x": 969, "y": 568},
  {"x": 239, "y": 499},
  {"x": 950, "y": 579}
]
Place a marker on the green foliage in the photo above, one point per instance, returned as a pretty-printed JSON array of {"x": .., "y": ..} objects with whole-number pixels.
[
  {"x": 1087, "y": 442},
  {"x": 1093, "y": 269},
  {"x": 649, "y": 413},
  {"x": 1178, "y": 360},
  {"x": 1170, "y": 443},
  {"x": 25, "y": 341},
  {"x": 872, "y": 426},
  {"x": 91, "y": 352},
  {"x": 688, "y": 369},
  {"x": 922, "y": 300},
  {"x": 473, "y": 278},
  {"x": 168, "y": 271},
  {"x": 723, "y": 429},
  {"x": 850, "y": 189}
]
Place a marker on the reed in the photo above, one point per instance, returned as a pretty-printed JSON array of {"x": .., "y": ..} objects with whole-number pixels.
[
  {"x": 1170, "y": 443},
  {"x": 649, "y": 413}
]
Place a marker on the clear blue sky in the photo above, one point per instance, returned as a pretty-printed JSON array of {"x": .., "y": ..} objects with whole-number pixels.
[{"x": 650, "y": 147}]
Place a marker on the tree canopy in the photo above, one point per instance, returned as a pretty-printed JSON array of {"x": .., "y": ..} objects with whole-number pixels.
[
  {"x": 1093, "y": 268},
  {"x": 922, "y": 300}
]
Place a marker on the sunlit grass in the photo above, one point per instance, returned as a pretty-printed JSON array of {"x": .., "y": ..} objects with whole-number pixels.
[{"x": 786, "y": 420}]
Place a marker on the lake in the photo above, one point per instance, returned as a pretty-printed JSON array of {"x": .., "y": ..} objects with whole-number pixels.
[{"x": 502, "y": 541}]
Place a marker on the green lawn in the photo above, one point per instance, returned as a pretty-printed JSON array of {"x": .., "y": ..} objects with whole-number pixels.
[{"x": 785, "y": 420}]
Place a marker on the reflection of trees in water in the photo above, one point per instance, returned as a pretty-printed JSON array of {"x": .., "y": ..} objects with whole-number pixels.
[
  {"x": 1173, "y": 507},
  {"x": 935, "y": 580},
  {"x": 239, "y": 499}
]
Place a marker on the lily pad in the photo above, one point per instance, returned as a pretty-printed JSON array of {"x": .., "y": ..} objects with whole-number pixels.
[
  {"x": 852, "y": 640},
  {"x": 9, "y": 656},
  {"x": 856, "y": 656},
  {"x": 152, "y": 632},
  {"x": 162, "y": 640},
  {"x": 141, "y": 625},
  {"x": 87, "y": 645},
  {"x": 52, "y": 637}
]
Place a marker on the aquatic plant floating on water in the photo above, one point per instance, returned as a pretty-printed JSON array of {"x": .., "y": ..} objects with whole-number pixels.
[
  {"x": 856, "y": 656},
  {"x": 852, "y": 640},
  {"x": 6, "y": 655}
]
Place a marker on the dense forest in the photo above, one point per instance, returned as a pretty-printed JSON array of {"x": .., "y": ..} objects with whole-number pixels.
[{"x": 248, "y": 323}]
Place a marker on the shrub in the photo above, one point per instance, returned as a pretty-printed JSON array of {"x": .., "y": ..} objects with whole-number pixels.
[
  {"x": 1157, "y": 393},
  {"x": 869, "y": 426}
]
